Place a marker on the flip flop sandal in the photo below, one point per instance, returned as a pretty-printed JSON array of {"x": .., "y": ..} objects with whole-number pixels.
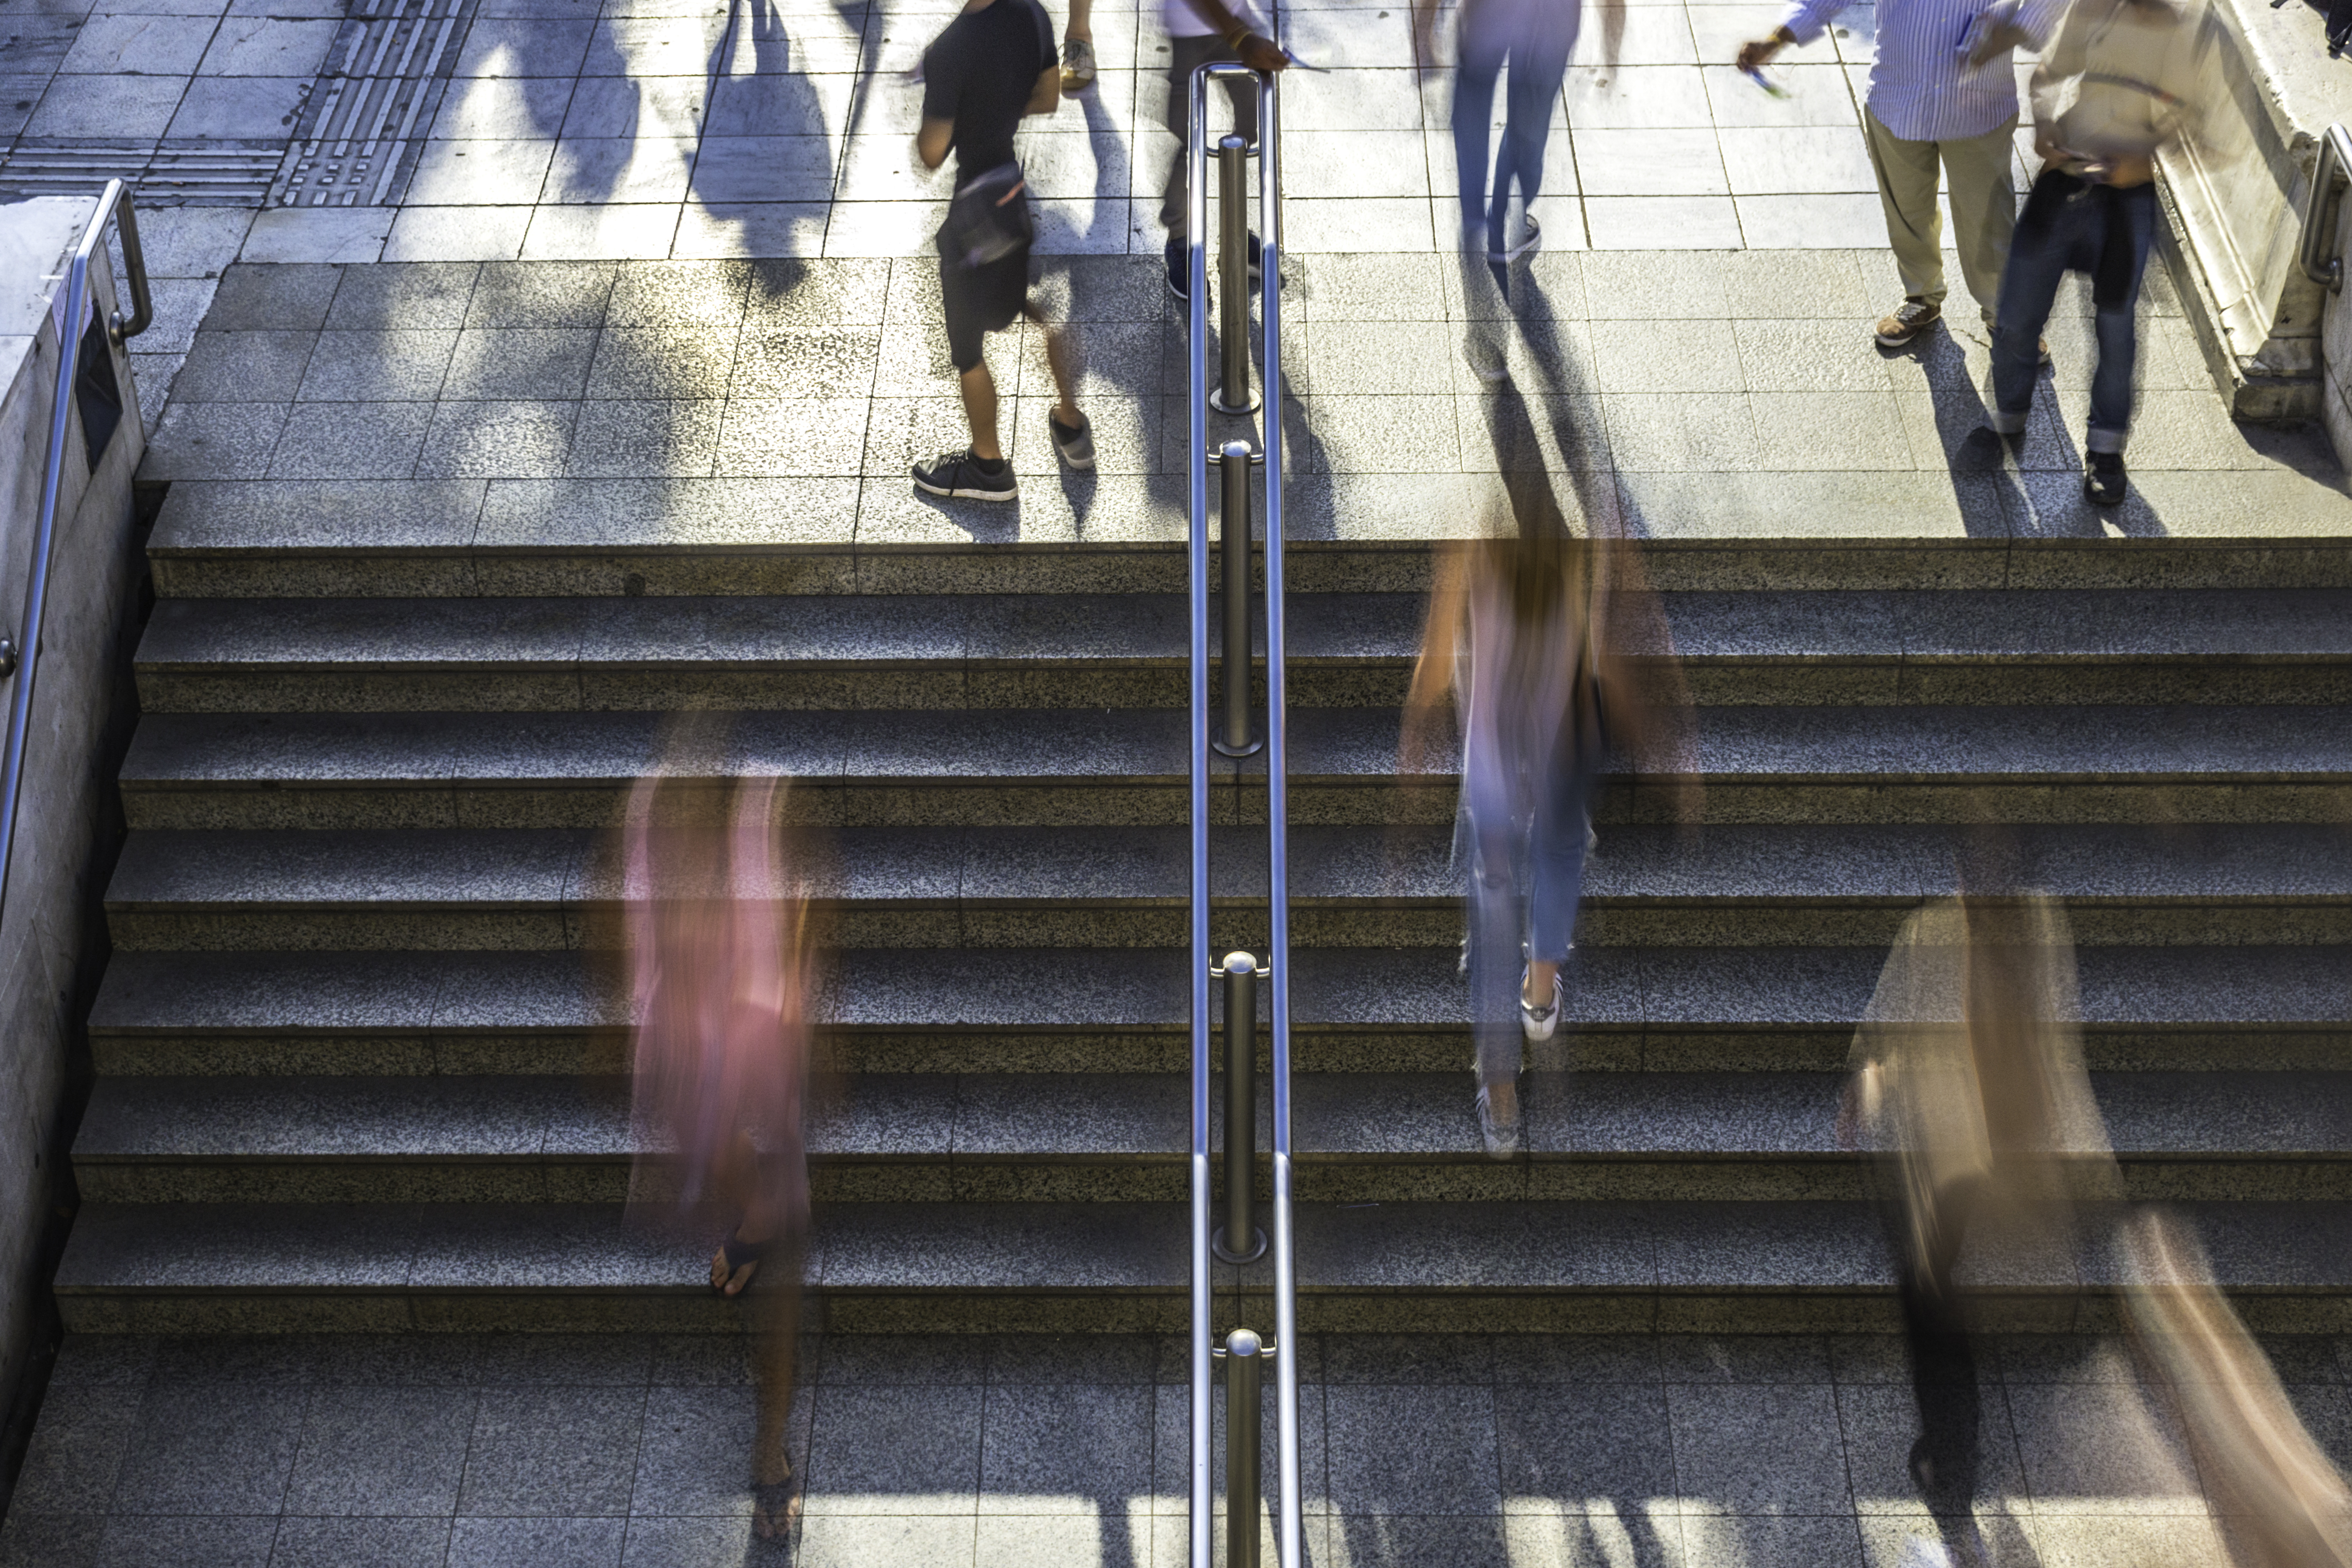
[{"x": 737, "y": 1253}]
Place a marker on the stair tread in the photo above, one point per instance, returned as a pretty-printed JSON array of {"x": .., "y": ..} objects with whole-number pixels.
[
  {"x": 2090, "y": 626},
  {"x": 1018, "y": 1116},
  {"x": 455, "y": 868},
  {"x": 1424, "y": 1247},
  {"x": 914, "y": 989},
  {"x": 1147, "y": 745}
]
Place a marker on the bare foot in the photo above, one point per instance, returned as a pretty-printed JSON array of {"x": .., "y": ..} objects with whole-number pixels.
[
  {"x": 776, "y": 1502},
  {"x": 731, "y": 1281}
]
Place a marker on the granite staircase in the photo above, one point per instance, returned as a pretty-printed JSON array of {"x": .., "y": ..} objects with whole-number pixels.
[{"x": 357, "y": 1071}]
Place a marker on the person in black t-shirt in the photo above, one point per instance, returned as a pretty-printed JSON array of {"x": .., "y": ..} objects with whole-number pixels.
[{"x": 994, "y": 64}]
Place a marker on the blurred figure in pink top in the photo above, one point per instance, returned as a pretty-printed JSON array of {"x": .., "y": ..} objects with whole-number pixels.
[{"x": 722, "y": 978}]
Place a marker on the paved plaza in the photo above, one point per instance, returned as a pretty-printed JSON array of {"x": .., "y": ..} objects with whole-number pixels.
[
  {"x": 1692, "y": 356},
  {"x": 1750, "y": 1451}
]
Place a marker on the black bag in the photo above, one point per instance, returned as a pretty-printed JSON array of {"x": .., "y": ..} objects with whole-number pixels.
[{"x": 989, "y": 219}]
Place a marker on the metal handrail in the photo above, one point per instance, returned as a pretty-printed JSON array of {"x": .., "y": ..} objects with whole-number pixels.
[
  {"x": 115, "y": 202},
  {"x": 2319, "y": 207},
  {"x": 1285, "y": 1303}
]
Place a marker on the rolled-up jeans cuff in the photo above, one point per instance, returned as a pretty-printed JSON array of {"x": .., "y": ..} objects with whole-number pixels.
[
  {"x": 2006, "y": 423},
  {"x": 2098, "y": 440}
]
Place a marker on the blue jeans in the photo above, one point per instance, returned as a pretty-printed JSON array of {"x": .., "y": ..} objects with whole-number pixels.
[
  {"x": 2072, "y": 225},
  {"x": 1534, "y": 37},
  {"x": 1525, "y": 878}
]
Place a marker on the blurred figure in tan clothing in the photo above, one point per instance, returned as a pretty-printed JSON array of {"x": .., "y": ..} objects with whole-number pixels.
[
  {"x": 1968, "y": 1082},
  {"x": 2282, "y": 1503}
]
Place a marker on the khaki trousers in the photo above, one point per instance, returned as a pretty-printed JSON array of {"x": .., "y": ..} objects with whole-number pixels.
[{"x": 1984, "y": 206}]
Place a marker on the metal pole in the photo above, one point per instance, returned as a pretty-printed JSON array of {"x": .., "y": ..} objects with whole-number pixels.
[
  {"x": 1233, "y": 460},
  {"x": 1196, "y": 263},
  {"x": 1234, "y": 393},
  {"x": 1288, "y": 1542},
  {"x": 1241, "y": 1241},
  {"x": 1245, "y": 1370}
]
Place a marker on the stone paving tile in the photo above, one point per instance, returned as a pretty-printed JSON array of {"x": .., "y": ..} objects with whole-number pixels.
[{"x": 1738, "y": 1449}]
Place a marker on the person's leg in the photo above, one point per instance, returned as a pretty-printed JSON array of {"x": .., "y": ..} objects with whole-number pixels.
[
  {"x": 1184, "y": 57},
  {"x": 1906, "y": 191},
  {"x": 2130, "y": 224},
  {"x": 1473, "y": 106},
  {"x": 1496, "y": 924},
  {"x": 979, "y": 390},
  {"x": 1563, "y": 831},
  {"x": 1538, "y": 62},
  {"x": 1062, "y": 359},
  {"x": 1081, "y": 24},
  {"x": 2028, "y": 286},
  {"x": 1984, "y": 207}
]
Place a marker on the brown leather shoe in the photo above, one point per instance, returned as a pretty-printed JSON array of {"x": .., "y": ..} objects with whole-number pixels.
[{"x": 1910, "y": 318}]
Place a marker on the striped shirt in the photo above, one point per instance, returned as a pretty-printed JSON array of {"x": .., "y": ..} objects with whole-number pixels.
[{"x": 1922, "y": 87}]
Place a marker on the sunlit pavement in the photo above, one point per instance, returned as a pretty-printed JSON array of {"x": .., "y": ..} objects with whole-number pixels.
[{"x": 1738, "y": 1452}]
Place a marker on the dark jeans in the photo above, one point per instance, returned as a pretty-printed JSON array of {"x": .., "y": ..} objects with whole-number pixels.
[
  {"x": 2073, "y": 225},
  {"x": 1185, "y": 57},
  {"x": 1535, "y": 41}
]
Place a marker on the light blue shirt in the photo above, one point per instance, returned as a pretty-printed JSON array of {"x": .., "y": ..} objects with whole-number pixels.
[{"x": 1921, "y": 87}]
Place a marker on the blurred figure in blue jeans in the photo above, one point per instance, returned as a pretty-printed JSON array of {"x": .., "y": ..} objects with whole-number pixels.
[
  {"x": 1535, "y": 38},
  {"x": 1533, "y": 638},
  {"x": 2123, "y": 80}
]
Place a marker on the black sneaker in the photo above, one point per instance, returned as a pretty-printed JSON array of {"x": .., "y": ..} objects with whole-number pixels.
[
  {"x": 2103, "y": 482},
  {"x": 1177, "y": 268},
  {"x": 1075, "y": 444},
  {"x": 958, "y": 475}
]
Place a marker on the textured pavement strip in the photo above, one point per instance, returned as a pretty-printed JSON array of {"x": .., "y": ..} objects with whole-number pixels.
[{"x": 1538, "y": 1451}]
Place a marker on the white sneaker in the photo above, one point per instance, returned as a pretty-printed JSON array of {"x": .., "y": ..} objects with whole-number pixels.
[
  {"x": 1520, "y": 236},
  {"x": 1502, "y": 1141},
  {"x": 1540, "y": 1023}
]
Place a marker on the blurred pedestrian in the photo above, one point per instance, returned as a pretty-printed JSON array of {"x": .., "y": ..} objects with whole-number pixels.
[
  {"x": 2281, "y": 1500},
  {"x": 1943, "y": 94},
  {"x": 1532, "y": 636},
  {"x": 994, "y": 64},
  {"x": 1534, "y": 38},
  {"x": 721, "y": 983},
  {"x": 2124, "y": 80},
  {"x": 1207, "y": 32},
  {"x": 1968, "y": 1082}
]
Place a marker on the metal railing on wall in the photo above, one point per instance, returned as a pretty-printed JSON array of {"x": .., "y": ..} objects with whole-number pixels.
[
  {"x": 77, "y": 330},
  {"x": 1240, "y": 1239},
  {"x": 2319, "y": 207}
]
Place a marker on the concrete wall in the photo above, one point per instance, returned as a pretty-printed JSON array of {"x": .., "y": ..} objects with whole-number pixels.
[
  {"x": 64, "y": 835},
  {"x": 2233, "y": 200}
]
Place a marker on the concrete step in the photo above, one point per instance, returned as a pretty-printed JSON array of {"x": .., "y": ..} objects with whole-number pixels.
[
  {"x": 459, "y": 889},
  {"x": 464, "y": 538},
  {"x": 1108, "y": 1010},
  {"x": 1128, "y": 651},
  {"x": 1126, "y": 767},
  {"x": 881, "y": 1268},
  {"x": 979, "y": 1137}
]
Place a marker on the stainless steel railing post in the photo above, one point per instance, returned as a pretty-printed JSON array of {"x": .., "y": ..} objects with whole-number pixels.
[
  {"x": 1234, "y": 395},
  {"x": 1288, "y": 1542},
  {"x": 1233, "y": 460},
  {"x": 1245, "y": 1377},
  {"x": 1240, "y": 1241}
]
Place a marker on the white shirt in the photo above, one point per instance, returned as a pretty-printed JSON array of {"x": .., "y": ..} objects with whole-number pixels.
[
  {"x": 1921, "y": 88},
  {"x": 1181, "y": 21}
]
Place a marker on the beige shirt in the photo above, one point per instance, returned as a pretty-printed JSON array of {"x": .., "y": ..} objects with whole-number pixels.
[{"x": 2122, "y": 78}]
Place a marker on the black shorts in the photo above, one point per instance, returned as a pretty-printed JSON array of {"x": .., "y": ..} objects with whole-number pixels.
[{"x": 980, "y": 300}]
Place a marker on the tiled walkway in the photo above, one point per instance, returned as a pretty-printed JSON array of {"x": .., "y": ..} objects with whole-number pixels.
[
  {"x": 1457, "y": 1451},
  {"x": 699, "y": 128}
]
